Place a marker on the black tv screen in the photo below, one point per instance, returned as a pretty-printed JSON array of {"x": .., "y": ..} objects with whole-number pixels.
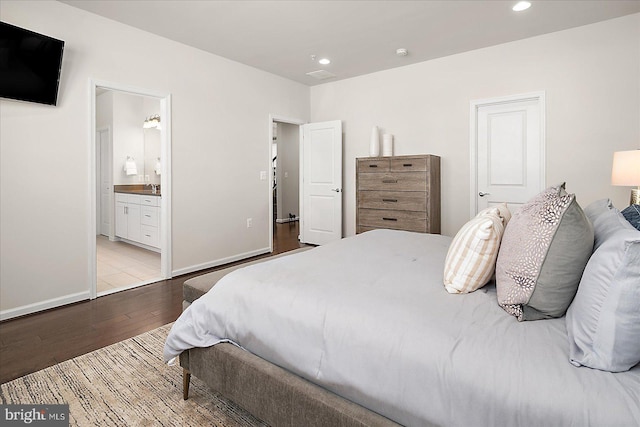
[{"x": 29, "y": 65}]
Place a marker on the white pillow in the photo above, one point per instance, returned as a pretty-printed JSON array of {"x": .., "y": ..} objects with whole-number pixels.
[{"x": 471, "y": 259}]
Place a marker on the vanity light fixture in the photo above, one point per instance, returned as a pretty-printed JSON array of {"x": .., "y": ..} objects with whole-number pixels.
[
  {"x": 521, "y": 5},
  {"x": 151, "y": 122}
]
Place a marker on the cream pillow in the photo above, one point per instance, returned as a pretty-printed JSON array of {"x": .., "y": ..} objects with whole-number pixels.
[{"x": 471, "y": 259}]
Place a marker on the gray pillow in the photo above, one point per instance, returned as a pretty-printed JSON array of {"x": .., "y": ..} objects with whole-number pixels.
[
  {"x": 606, "y": 220},
  {"x": 603, "y": 321},
  {"x": 545, "y": 248}
]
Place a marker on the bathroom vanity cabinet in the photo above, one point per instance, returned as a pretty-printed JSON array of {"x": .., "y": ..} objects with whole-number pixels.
[{"x": 138, "y": 218}]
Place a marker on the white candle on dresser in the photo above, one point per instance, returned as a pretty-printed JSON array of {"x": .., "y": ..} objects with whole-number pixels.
[
  {"x": 374, "y": 144},
  {"x": 387, "y": 144}
]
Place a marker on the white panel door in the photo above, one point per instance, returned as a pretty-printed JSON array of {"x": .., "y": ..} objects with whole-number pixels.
[
  {"x": 509, "y": 149},
  {"x": 105, "y": 193},
  {"x": 321, "y": 176}
]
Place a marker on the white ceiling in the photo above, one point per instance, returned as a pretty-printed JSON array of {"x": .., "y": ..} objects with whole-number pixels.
[{"x": 359, "y": 37}]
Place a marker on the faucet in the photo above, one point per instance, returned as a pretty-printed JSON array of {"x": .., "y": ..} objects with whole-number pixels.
[{"x": 154, "y": 188}]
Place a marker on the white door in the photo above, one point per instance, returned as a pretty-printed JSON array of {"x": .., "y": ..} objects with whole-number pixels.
[
  {"x": 98, "y": 184},
  {"x": 104, "y": 179},
  {"x": 508, "y": 146},
  {"x": 321, "y": 183}
]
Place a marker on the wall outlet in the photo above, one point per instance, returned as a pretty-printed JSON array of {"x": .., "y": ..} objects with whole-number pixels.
[
  {"x": 286, "y": 174},
  {"x": 249, "y": 222},
  {"x": 263, "y": 175}
]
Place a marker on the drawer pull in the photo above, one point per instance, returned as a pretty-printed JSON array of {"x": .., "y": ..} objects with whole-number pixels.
[
  {"x": 148, "y": 235},
  {"x": 390, "y": 219},
  {"x": 373, "y": 166},
  {"x": 407, "y": 165},
  {"x": 389, "y": 181},
  {"x": 390, "y": 200},
  {"x": 148, "y": 216}
]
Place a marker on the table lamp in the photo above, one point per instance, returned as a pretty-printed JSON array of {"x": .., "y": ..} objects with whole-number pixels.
[{"x": 626, "y": 172}]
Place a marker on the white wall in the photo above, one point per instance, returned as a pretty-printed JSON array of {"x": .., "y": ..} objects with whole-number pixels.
[
  {"x": 591, "y": 76},
  {"x": 218, "y": 106}
]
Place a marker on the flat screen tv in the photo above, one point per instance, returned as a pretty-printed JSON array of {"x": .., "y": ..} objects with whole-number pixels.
[{"x": 30, "y": 65}]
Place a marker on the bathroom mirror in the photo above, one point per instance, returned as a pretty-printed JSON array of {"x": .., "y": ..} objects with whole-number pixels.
[{"x": 152, "y": 164}]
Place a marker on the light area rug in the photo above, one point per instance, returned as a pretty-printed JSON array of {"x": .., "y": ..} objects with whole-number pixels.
[{"x": 126, "y": 384}]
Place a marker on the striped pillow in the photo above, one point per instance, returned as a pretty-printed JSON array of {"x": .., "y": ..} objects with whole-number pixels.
[{"x": 471, "y": 259}]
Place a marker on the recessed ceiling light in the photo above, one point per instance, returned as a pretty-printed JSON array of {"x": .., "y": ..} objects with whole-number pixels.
[
  {"x": 402, "y": 52},
  {"x": 521, "y": 5},
  {"x": 324, "y": 61}
]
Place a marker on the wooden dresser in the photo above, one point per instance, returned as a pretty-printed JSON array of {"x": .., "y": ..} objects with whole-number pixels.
[{"x": 400, "y": 192}]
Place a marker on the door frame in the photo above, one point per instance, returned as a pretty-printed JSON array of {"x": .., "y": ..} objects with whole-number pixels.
[
  {"x": 475, "y": 105},
  {"x": 274, "y": 118},
  {"x": 165, "y": 179}
]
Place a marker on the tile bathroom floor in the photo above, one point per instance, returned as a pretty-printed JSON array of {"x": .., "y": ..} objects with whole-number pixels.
[{"x": 121, "y": 264}]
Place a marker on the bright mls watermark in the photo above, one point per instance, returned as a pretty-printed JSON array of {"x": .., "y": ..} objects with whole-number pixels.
[{"x": 36, "y": 415}]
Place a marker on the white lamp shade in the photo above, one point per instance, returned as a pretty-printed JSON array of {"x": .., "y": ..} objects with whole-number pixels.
[{"x": 626, "y": 168}]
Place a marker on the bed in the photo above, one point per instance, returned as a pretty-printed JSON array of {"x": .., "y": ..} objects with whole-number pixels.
[{"x": 362, "y": 332}]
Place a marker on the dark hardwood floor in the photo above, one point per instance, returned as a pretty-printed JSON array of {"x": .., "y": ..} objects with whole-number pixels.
[{"x": 40, "y": 340}]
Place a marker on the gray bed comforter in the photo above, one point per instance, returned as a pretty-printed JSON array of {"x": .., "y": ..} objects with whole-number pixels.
[{"x": 369, "y": 319}]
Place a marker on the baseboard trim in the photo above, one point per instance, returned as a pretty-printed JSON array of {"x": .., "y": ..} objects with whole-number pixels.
[
  {"x": 43, "y": 305},
  {"x": 219, "y": 262}
]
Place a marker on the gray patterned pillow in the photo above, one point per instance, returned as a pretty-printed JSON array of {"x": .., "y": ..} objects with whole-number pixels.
[
  {"x": 545, "y": 248},
  {"x": 632, "y": 214}
]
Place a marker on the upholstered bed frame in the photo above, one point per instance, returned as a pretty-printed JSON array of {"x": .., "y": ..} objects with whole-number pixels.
[{"x": 267, "y": 391}]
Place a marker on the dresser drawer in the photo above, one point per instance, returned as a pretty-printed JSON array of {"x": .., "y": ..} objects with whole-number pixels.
[
  {"x": 398, "y": 200},
  {"x": 150, "y": 216},
  {"x": 373, "y": 165},
  {"x": 150, "y": 235},
  {"x": 398, "y": 220},
  {"x": 407, "y": 181},
  {"x": 418, "y": 164}
]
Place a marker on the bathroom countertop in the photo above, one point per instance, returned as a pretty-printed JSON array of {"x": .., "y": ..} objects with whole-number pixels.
[{"x": 136, "y": 189}]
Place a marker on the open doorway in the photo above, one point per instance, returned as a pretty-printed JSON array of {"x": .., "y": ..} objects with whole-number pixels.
[
  {"x": 286, "y": 166},
  {"x": 131, "y": 164},
  {"x": 319, "y": 170},
  {"x": 285, "y": 183}
]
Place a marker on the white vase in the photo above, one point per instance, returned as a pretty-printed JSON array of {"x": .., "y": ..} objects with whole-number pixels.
[
  {"x": 387, "y": 145},
  {"x": 374, "y": 145}
]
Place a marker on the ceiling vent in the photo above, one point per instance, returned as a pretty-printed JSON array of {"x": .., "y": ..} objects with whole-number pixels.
[{"x": 321, "y": 75}]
